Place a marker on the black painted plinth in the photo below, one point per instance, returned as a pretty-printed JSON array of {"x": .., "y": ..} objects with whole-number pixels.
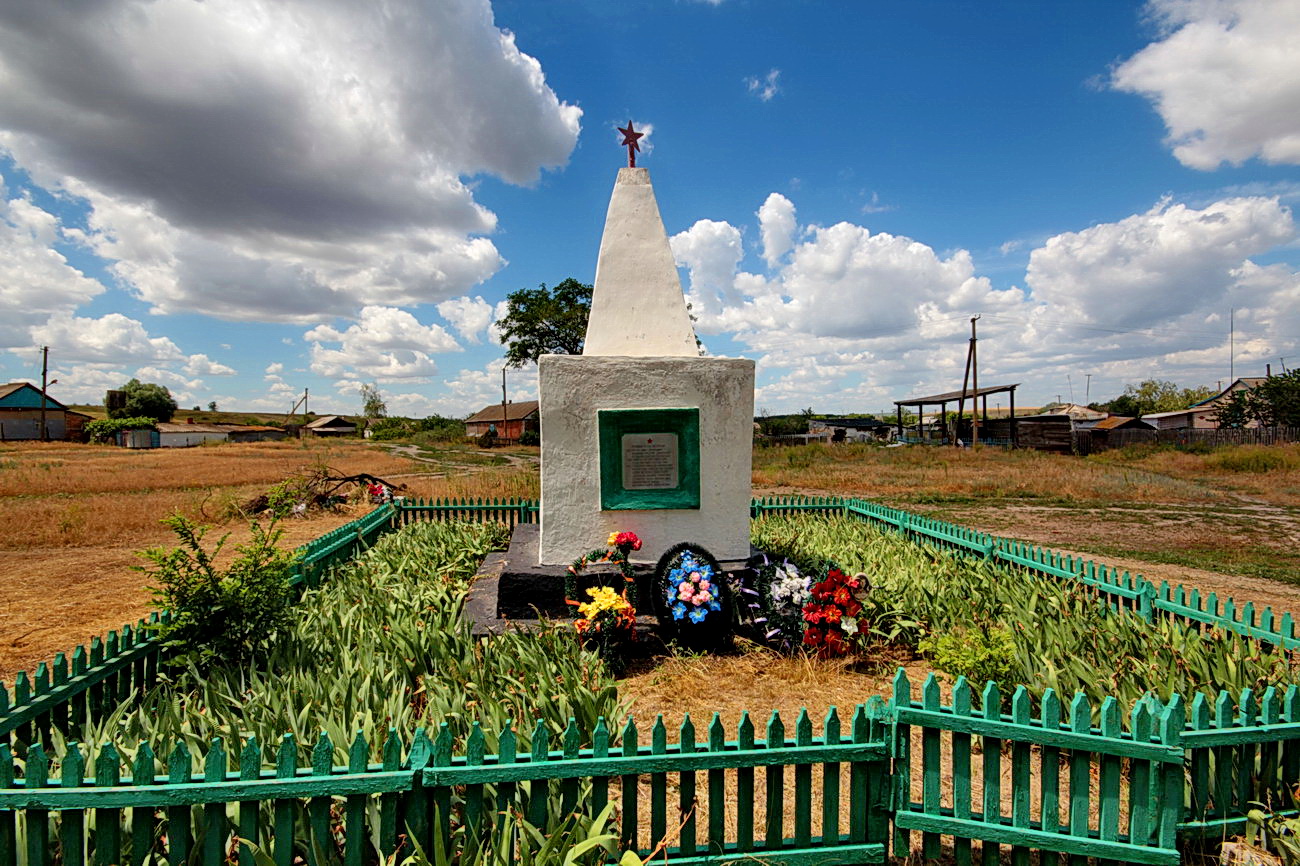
[{"x": 511, "y": 590}]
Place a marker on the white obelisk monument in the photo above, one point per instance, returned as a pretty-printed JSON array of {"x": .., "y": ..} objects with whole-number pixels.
[{"x": 639, "y": 432}]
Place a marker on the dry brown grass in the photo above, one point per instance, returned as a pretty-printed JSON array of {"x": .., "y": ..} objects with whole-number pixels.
[
  {"x": 62, "y": 495},
  {"x": 1270, "y": 474},
  {"x": 934, "y": 474},
  {"x": 704, "y": 684}
]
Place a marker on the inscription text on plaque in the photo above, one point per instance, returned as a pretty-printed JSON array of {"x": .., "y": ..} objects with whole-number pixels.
[{"x": 649, "y": 461}]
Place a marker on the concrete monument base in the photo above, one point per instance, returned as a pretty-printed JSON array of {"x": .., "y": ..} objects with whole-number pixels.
[{"x": 596, "y": 481}]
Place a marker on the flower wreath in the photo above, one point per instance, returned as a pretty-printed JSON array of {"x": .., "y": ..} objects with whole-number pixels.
[
  {"x": 693, "y": 598},
  {"x": 783, "y": 592},
  {"x": 834, "y": 614},
  {"x": 620, "y": 544}
]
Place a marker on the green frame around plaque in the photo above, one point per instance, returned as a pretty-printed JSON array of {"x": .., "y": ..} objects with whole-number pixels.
[{"x": 613, "y": 424}]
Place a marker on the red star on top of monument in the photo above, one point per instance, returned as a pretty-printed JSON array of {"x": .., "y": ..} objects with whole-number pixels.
[{"x": 630, "y": 136}]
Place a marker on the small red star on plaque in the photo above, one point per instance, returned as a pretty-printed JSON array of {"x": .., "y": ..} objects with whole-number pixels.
[{"x": 630, "y": 136}]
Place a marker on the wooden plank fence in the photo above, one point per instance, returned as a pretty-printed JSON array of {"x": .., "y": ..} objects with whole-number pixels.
[
  {"x": 434, "y": 794},
  {"x": 904, "y": 777}
]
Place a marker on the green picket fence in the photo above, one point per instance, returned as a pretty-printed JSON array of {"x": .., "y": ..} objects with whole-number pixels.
[
  {"x": 907, "y": 775},
  {"x": 1157, "y": 778},
  {"x": 833, "y": 804},
  {"x": 508, "y": 511}
]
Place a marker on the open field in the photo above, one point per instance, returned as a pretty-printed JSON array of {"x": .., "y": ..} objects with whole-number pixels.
[
  {"x": 72, "y": 516},
  {"x": 1234, "y": 511}
]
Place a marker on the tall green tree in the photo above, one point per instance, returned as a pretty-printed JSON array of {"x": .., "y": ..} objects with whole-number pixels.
[
  {"x": 545, "y": 321},
  {"x": 1275, "y": 402},
  {"x": 145, "y": 400},
  {"x": 1155, "y": 395},
  {"x": 372, "y": 402}
]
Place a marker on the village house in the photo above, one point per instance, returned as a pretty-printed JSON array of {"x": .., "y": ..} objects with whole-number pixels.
[
  {"x": 519, "y": 418},
  {"x": 329, "y": 425},
  {"x": 20, "y": 415}
]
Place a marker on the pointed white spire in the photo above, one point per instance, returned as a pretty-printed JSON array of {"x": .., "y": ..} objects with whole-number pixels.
[{"x": 637, "y": 306}]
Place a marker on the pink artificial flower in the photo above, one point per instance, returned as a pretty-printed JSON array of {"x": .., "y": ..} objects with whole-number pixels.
[
  {"x": 695, "y": 577},
  {"x": 705, "y": 585}
]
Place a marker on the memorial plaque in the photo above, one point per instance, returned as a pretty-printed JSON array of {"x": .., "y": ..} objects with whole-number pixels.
[
  {"x": 649, "y": 461},
  {"x": 649, "y": 458}
]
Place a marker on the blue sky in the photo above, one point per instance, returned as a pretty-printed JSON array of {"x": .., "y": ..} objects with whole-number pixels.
[{"x": 243, "y": 199}]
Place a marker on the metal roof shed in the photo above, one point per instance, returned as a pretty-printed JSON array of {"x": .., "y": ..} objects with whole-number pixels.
[{"x": 942, "y": 401}]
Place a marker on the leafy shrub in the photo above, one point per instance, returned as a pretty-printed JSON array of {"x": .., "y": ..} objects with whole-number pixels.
[
  {"x": 385, "y": 429},
  {"x": 283, "y": 497},
  {"x": 381, "y": 643},
  {"x": 978, "y": 654},
  {"x": 105, "y": 430},
  {"x": 530, "y": 437},
  {"x": 219, "y": 614}
]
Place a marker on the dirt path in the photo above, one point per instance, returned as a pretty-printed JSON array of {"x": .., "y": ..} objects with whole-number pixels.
[{"x": 413, "y": 452}]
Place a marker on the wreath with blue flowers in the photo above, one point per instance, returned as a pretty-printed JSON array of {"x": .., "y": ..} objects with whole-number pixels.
[{"x": 694, "y": 598}]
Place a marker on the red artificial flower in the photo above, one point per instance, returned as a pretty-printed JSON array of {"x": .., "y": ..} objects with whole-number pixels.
[{"x": 628, "y": 540}]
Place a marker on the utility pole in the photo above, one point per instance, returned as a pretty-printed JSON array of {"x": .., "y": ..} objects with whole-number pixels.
[
  {"x": 1069, "y": 380},
  {"x": 1232, "y": 353},
  {"x": 975, "y": 385},
  {"x": 961, "y": 401},
  {"x": 503, "y": 392},
  {"x": 45, "y": 370},
  {"x": 1087, "y": 391}
]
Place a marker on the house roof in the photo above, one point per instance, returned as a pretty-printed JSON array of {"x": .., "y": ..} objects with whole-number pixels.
[
  {"x": 1115, "y": 421},
  {"x": 953, "y": 396},
  {"x": 173, "y": 427},
  {"x": 330, "y": 421},
  {"x": 1187, "y": 411},
  {"x": 12, "y": 388},
  {"x": 1077, "y": 412},
  {"x": 1243, "y": 383},
  {"x": 514, "y": 412}
]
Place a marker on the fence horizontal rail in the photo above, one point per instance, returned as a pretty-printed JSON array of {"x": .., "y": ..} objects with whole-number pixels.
[
  {"x": 648, "y": 762},
  {"x": 1039, "y": 735},
  {"x": 1033, "y": 836},
  {"x": 202, "y": 791}
]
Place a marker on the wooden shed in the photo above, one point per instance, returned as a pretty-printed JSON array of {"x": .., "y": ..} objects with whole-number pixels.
[{"x": 330, "y": 425}]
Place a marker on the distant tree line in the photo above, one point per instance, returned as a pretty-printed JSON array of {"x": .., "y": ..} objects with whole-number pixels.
[{"x": 1153, "y": 395}]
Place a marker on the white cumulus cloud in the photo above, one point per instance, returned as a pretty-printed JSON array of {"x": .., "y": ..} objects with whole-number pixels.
[
  {"x": 469, "y": 316},
  {"x": 202, "y": 365},
  {"x": 386, "y": 344},
  {"x": 1225, "y": 78},
  {"x": 284, "y": 161},
  {"x": 110, "y": 339}
]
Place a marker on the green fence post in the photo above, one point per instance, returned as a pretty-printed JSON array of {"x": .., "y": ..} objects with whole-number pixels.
[
  {"x": 718, "y": 790},
  {"x": 8, "y": 824},
  {"x": 72, "y": 830}
]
